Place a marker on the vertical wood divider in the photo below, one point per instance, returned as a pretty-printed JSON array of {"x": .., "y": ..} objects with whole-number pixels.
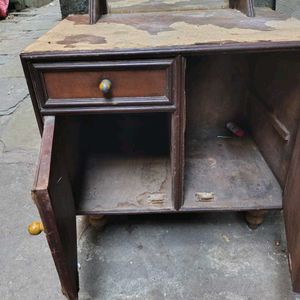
[
  {"x": 97, "y": 8},
  {"x": 245, "y": 6},
  {"x": 177, "y": 135}
]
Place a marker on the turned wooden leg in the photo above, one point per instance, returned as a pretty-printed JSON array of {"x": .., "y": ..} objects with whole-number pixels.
[
  {"x": 98, "y": 222},
  {"x": 255, "y": 217}
]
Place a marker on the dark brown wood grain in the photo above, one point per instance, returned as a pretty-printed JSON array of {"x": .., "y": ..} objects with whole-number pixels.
[
  {"x": 291, "y": 209},
  {"x": 245, "y": 6},
  {"x": 274, "y": 97},
  {"x": 67, "y": 85},
  {"x": 53, "y": 197},
  {"x": 30, "y": 84},
  {"x": 97, "y": 8},
  {"x": 272, "y": 119},
  {"x": 177, "y": 136},
  {"x": 76, "y": 84}
]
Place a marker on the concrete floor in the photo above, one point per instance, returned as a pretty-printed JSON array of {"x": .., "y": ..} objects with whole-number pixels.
[{"x": 198, "y": 256}]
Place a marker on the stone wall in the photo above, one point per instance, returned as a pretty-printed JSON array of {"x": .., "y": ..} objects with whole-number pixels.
[{"x": 73, "y": 7}]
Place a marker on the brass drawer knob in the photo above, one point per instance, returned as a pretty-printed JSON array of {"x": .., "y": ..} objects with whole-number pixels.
[
  {"x": 105, "y": 86},
  {"x": 35, "y": 228}
]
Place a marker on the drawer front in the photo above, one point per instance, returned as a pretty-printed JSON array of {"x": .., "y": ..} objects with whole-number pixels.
[{"x": 128, "y": 83}]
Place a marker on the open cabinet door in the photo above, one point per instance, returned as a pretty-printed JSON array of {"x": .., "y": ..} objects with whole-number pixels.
[
  {"x": 53, "y": 197},
  {"x": 291, "y": 208}
]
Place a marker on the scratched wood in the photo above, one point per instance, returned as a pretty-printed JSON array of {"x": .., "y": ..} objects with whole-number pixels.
[
  {"x": 234, "y": 171},
  {"x": 276, "y": 83},
  {"x": 125, "y": 164},
  {"x": 53, "y": 196},
  {"x": 112, "y": 182},
  {"x": 171, "y": 29},
  {"x": 215, "y": 93}
]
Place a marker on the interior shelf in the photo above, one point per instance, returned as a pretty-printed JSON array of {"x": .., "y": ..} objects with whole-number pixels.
[
  {"x": 132, "y": 183},
  {"x": 228, "y": 174},
  {"x": 124, "y": 164}
]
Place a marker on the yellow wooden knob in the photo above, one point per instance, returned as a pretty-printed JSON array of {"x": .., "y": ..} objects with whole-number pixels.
[
  {"x": 105, "y": 86},
  {"x": 35, "y": 228}
]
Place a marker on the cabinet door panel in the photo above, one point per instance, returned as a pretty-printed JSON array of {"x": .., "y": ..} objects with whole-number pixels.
[{"x": 53, "y": 196}]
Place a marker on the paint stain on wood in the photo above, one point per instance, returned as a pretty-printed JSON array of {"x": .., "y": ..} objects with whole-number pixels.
[
  {"x": 154, "y": 30},
  {"x": 71, "y": 41}
]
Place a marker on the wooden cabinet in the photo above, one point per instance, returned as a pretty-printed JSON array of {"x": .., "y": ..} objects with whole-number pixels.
[{"x": 158, "y": 143}]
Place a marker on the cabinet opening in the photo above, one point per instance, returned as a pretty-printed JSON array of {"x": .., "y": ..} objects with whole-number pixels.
[
  {"x": 123, "y": 162},
  {"x": 258, "y": 92}
]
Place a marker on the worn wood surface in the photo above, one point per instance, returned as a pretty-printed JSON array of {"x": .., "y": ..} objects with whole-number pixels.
[
  {"x": 276, "y": 83},
  {"x": 97, "y": 8},
  {"x": 291, "y": 208},
  {"x": 172, "y": 29},
  {"x": 134, "y": 6},
  {"x": 125, "y": 163},
  {"x": 69, "y": 85},
  {"x": 177, "y": 135},
  {"x": 112, "y": 183},
  {"x": 53, "y": 196},
  {"x": 234, "y": 171},
  {"x": 215, "y": 94},
  {"x": 137, "y": 83}
]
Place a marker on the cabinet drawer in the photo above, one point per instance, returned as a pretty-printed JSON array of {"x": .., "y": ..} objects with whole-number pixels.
[{"x": 83, "y": 84}]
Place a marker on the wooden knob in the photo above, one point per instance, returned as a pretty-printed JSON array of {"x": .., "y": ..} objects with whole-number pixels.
[
  {"x": 105, "y": 86},
  {"x": 35, "y": 228}
]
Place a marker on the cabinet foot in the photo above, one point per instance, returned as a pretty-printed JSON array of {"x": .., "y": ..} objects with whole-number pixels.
[
  {"x": 255, "y": 218},
  {"x": 97, "y": 222}
]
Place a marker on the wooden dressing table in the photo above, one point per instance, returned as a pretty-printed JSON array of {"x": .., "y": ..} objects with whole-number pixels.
[{"x": 132, "y": 102}]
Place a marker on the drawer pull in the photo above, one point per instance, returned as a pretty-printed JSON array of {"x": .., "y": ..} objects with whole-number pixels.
[
  {"x": 105, "y": 86},
  {"x": 35, "y": 228}
]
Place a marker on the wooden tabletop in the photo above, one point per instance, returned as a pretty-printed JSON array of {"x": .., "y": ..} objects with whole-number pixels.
[{"x": 129, "y": 31}]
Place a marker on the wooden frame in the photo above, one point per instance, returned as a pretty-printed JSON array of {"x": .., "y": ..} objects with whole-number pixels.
[
  {"x": 49, "y": 106},
  {"x": 98, "y": 8}
]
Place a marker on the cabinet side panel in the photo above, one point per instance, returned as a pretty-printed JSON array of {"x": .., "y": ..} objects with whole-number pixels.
[
  {"x": 291, "y": 207},
  {"x": 274, "y": 108}
]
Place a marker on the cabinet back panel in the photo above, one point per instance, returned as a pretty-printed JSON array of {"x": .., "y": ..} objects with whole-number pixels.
[{"x": 215, "y": 94}]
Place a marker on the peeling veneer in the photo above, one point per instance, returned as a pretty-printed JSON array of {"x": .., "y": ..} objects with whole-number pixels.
[{"x": 115, "y": 32}]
